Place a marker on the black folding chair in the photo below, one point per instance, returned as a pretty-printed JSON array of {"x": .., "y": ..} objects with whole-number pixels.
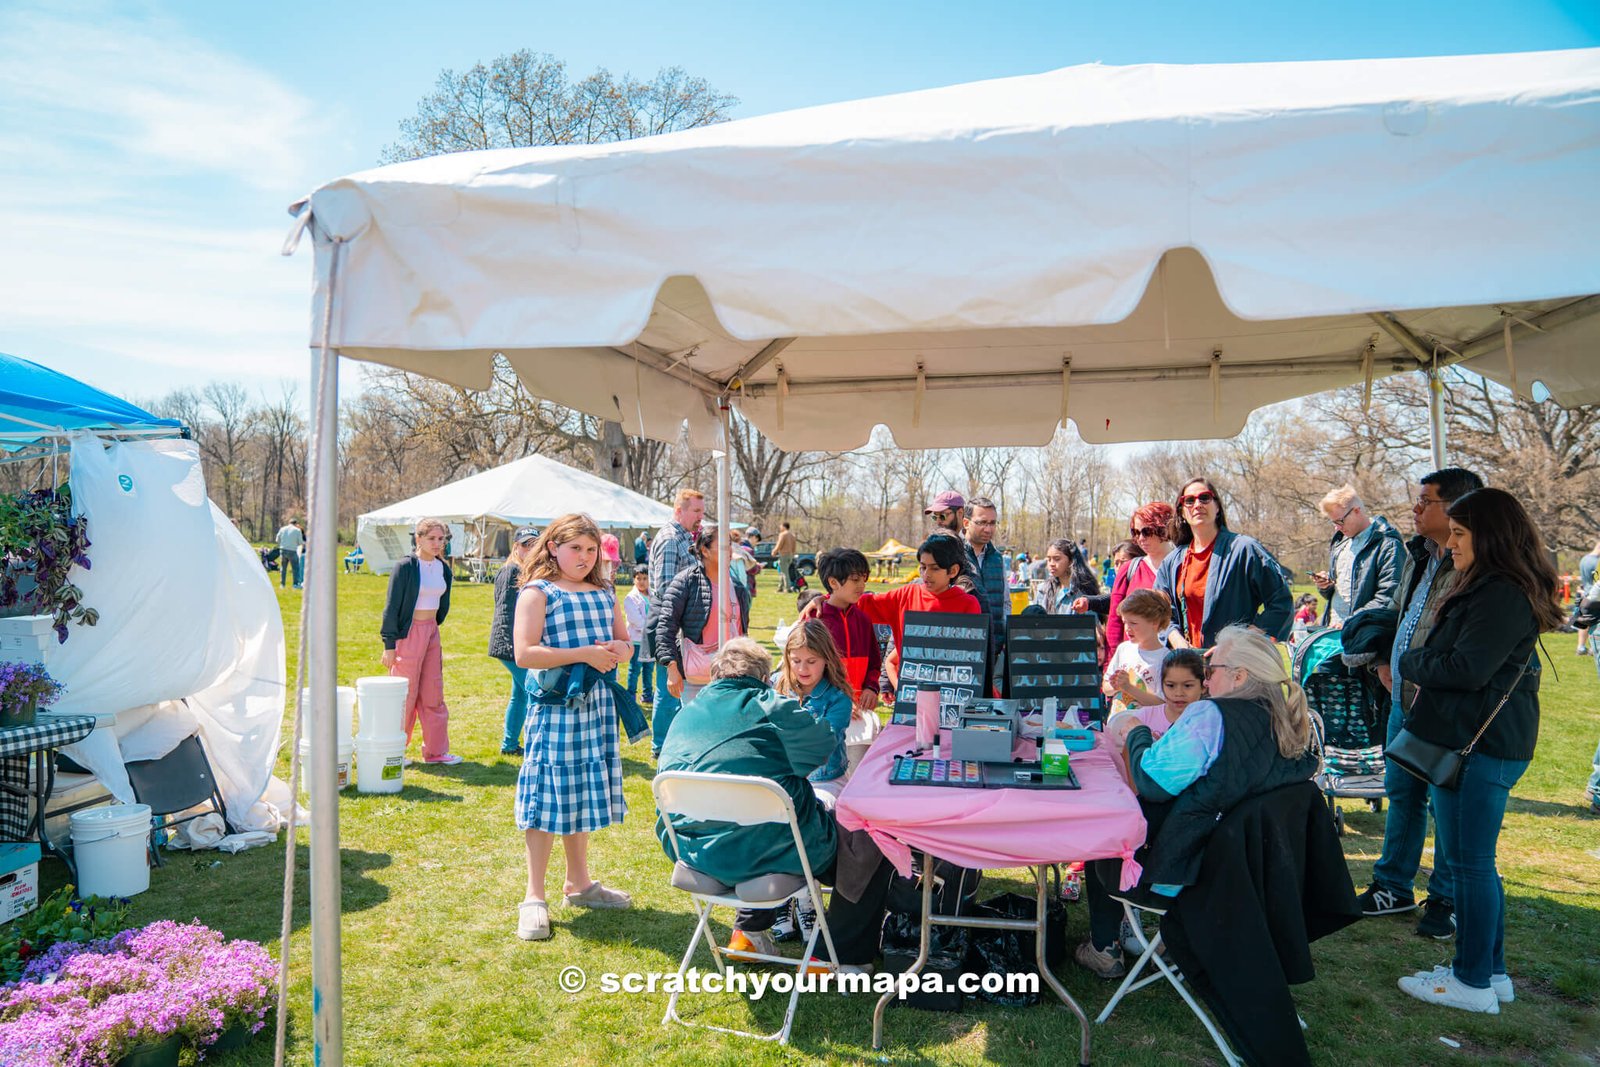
[{"x": 176, "y": 782}]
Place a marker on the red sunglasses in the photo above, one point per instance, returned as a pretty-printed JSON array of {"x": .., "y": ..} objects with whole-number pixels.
[{"x": 1198, "y": 498}]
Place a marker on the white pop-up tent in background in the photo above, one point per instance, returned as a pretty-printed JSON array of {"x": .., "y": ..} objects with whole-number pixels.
[
  {"x": 189, "y": 636},
  {"x": 527, "y": 492}
]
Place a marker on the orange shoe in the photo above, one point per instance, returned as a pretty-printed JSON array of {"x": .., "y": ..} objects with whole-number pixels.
[{"x": 742, "y": 945}]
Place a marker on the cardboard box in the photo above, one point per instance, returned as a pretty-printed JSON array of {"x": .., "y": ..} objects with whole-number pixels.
[
  {"x": 19, "y": 880},
  {"x": 1055, "y": 758}
]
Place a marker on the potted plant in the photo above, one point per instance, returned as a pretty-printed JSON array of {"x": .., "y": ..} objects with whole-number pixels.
[
  {"x": 41, "y": 540},
  {"x": 24, "y": 689}
]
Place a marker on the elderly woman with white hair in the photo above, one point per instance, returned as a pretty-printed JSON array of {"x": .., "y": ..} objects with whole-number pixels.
[
  {"x": 1250, "y": 736},
  {"x": 738, "y": 724}
]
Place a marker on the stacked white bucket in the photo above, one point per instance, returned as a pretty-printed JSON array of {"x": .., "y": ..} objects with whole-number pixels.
[
  {"x": 381, "y": 742},
  {"x": 347, "y": 714}
]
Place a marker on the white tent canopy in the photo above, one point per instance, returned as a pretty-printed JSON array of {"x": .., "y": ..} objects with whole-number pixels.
[
  {"x": 1152, "y": 252},
  {"x": 530, "y": 491},
  {"x": 1155, "y": 251}
]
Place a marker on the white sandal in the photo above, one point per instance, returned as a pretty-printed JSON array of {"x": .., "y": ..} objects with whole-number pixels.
[
  {"x": 533, "y": 920},
  {"x": 598, "y": 896}
]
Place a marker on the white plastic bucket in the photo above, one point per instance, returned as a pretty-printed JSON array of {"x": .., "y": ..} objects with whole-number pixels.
[
  {"x": 346, "y": 750},
  {"x": 111, "y": 846},
  {"x": 383, "y": 706},
  {"x": 379, "y": 764},
  {"x": 347, "y": 708}
]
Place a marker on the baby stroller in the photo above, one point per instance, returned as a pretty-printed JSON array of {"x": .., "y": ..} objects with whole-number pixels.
[
  {"x": 269, "y": 558},
  {"x": 1354, "y": 712}
]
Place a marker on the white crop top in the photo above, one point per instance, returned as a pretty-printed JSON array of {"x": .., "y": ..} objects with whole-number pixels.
[{"x": 432, "y": 584}]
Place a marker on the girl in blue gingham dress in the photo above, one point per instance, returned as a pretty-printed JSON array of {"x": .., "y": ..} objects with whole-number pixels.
[
  {"x": 569, "y": 633},
  {"x": 571, "y": 778}
]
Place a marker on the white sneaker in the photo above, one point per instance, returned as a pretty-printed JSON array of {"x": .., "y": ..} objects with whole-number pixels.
[
  {"x": 1441, "y": 986},
  {"x": 1500, "y": 983}
]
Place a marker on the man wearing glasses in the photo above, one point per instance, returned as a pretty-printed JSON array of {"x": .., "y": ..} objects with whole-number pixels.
[
  {"x": 1363, "y": 559},
  {"x": 1426, "y": 575},
  {"x": 948, "y": 511}
]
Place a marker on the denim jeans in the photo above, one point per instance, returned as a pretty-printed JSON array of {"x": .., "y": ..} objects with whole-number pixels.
[
  {"x": 1405, "y": 828},
  {"x": 639, "y": 667},
  {"x": 1468, "y": 820},
  {"x": 289, "y": 562},
  {"x": 1594, "y": 778},
  {"x": 666, "y": 709},
  {"x": 516, "y": 707}
]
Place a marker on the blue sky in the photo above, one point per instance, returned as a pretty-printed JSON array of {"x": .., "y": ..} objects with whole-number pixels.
[{"x": 148, "y": 150}]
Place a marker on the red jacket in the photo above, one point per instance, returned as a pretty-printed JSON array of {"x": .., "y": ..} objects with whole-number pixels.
[
  {"x": 858, "y": 646},
  {"x": 889, "y": 609},
  {"x": 1135, "y": 574}
]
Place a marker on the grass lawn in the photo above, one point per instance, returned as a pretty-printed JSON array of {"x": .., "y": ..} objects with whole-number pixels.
[{"x": 434, "y": 974}]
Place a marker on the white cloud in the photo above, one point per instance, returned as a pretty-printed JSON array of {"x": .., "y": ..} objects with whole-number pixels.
[{"x": 145, "y": 174}]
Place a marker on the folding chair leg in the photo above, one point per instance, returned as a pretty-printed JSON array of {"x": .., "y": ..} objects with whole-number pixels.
[{"x": 688, "y": 954}]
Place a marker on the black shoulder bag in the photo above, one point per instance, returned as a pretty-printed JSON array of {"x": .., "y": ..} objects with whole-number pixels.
[{"x": 1440, "y": 764}]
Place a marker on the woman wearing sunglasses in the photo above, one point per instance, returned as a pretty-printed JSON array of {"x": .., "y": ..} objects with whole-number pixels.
[
  {"x": 1216, "y": 577},
  {"x": 1149, "y": 529}
]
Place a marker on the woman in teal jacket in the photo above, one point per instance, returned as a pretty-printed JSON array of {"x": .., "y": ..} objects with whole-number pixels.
[{"x": 739, "y": 725}]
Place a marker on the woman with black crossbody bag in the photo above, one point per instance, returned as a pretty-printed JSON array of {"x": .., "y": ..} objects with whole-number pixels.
[{"x": 1472, "y": 728}]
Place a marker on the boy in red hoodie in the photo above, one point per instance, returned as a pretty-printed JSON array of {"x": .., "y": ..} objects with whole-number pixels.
[{"x": 843, "y": 573}]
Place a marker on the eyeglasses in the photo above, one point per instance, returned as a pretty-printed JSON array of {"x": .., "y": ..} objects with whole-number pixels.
[
  {"x": 985, "y": 522},
  {"x": 1212, "y": 668},
  {"x": 1198, "y": 498},
  {"x": 1148, "y": 531},
  {"x": 1423, "y": 502},
  {"x": 1340, "y": 520},
  {"x": 940, "y": 516}
]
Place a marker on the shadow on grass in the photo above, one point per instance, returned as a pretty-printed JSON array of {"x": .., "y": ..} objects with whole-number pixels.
[
  {"x": 1524, "y": 806},
  {"x": 642, "y": 768}
]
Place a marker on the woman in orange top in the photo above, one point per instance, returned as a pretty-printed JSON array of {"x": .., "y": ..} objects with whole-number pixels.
[{"x": 1216, "y": 578}]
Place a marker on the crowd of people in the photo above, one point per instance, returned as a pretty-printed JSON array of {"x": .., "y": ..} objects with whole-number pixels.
[{"x": 1201, "y": 703}]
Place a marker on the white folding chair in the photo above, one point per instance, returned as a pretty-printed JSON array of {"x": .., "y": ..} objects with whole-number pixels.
[
  {"x": 1151, "y": 955},
  {"x": 744, "y": 800}
]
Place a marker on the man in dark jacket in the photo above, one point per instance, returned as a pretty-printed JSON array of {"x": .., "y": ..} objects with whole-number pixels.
[
  {"x": 1426, "y": 575},
  {"x": 1363, "y": 558}
]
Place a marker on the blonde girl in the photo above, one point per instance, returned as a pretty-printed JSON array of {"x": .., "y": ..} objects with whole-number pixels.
[
  {"x": 813, "y": 674},
  {"x": 414, "y": 608},
  {"x": 567, "y": 621}
]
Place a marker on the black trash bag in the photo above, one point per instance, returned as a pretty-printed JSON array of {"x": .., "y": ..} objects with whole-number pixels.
[
  {"x": 955, "y": 889},
  {"x": 1012, "y": 951},
  {"x": 948, "y": 949}
]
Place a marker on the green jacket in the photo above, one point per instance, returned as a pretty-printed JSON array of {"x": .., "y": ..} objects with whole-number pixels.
[{"x": 741, "y": 726}]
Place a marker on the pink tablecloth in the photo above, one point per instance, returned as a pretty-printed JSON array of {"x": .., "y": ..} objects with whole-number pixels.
[{"x": 995, "y": 827}]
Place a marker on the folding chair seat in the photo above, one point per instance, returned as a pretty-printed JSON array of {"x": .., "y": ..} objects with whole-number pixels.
[
  {"x": 744, "y": 800},
  {"x": 171, "y": 785}
]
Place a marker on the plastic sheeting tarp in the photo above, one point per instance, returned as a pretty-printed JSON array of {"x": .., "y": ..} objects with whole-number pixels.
[
  {"x": 1153, "y": 251},
  {"x": 530, "y": 491},
  {"x": 186, "y": 614}
]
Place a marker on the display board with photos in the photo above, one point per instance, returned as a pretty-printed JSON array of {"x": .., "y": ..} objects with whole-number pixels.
[
  {"x": 1054, "y": 656},
  {"x": 944, "y": 649}
]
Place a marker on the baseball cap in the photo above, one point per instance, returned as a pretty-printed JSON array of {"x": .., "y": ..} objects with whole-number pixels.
[
  {"x": 524, "y": 534},
  {"x": 949, "y": 500}
]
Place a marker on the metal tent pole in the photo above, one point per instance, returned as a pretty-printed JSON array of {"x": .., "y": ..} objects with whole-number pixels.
[
  {"x": 724, "y": 524},
  {"x": 327, "y": 1000},
  {"x": 1436, "y": 439}
]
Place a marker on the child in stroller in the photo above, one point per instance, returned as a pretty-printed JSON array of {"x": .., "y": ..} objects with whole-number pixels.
[{"x": 269, "y": 558}]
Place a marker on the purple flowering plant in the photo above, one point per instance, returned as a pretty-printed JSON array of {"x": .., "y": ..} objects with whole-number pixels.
[
  {"x": 88, "y": 1004},
  {"x": 42, "y": 538},
  {"x": 22, "y": 684}
]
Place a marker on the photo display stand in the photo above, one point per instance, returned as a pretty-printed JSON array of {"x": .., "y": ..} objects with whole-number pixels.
[
  {"x": 1054, "y": 656},
  {"x": 944, "y": 649}
]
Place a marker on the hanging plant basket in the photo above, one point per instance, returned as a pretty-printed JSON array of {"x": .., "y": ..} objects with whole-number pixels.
[
  {"x": 42, "y": 541},
  {"x": 160, "y": 1054}
]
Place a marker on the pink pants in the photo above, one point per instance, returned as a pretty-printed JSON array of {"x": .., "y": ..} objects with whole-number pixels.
[{"x": 419, "y": 661}]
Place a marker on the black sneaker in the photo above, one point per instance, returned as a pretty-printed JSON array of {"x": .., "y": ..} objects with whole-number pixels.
[
  {"x": 1380, "y": 901},
  {"x": 1438, "y": 919}
]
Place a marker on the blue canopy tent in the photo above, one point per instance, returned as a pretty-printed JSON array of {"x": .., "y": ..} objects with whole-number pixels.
[{"x": 40, "y": 407}]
